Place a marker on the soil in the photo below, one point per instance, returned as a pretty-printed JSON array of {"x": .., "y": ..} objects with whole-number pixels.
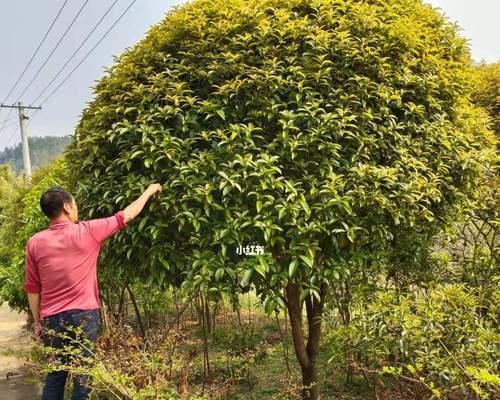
[{"x": 14, "y": 384}]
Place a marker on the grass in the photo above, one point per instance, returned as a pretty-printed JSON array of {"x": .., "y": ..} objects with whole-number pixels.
[
  {"x": 247, "y": 362},
  {"x": 253, "y": 362}
]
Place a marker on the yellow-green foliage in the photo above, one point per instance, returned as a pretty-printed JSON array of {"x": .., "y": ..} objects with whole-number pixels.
[
  {"x": 29, "y": 220},
  {"x": 308, "y": 126},
  {"x": 438, "y": 337},
  {"x": 11, "y": 189},
  {"x": 487, "y": 91}
]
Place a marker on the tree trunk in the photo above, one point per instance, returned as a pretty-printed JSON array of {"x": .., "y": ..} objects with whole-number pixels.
[
  {"x": 181, "y": 311},
  {"x": 206, "y": 359},
  {"x": 215, "y": 311},
  {"x": 138, "y": 314},
  {"x": 310, "y": 388},
  {"x": 207, "y": 314},
  {"x": 176, "y": 301},
  {"x": 346, "y": 317},
  {"x": 119, "y": 315},
  {"x": 237, "y": 308},
  {"x": 306, "y": 353},
  {"x": 285, "y": 347},
  {"x": 104, "y": 315}
]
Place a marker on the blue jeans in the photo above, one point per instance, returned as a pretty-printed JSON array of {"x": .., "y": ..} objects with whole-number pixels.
[{"x": 59, "y": 331}]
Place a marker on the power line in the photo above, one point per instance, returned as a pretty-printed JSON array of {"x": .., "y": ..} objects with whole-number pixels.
[
  {"x": 36, "y": 51},
  {"x": 76, "y": 51},
  {"x": 31, "y": 60},
  {"x": 6, "y": 120},
  {"x": 53, "y": 50},
  {"x": 13, "y": 123},
  {"x": 32, "y": 116},
  {"x": 90, "y": 52},
  {"x": 11, "y": 137}
]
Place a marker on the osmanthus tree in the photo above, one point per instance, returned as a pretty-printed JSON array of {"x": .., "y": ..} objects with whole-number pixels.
[{"x": 319, "y": 129}]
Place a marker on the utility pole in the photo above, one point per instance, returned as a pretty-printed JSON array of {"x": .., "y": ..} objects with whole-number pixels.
[{"x": 24, "y": 135}]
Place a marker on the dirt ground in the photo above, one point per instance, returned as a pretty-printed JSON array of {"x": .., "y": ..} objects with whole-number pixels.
[{"x": 14, "y": 337}]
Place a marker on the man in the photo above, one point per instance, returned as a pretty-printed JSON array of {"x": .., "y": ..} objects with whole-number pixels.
[{"x": 61, "y": 279}]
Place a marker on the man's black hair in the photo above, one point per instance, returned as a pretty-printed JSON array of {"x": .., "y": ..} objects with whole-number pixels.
[{"x": 53, "y": 200}]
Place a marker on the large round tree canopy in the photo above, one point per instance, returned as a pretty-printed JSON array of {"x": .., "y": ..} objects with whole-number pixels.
[{"x": 318, "y": 129}]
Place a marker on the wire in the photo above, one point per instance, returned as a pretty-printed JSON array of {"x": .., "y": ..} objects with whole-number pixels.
[
  {"x": 54, "y": 49},
  {"x": 36, "y": 51},
  {"x": 32, "y": 116},
  {"x": 31, "y": 60},
  {"x": 6, "y": 120},
  {"x": 75, "y": 52},
  {"x": 11, "y": 137},
  {"x": 88, "y": 54},
  {"x": 13, "y": 123}
]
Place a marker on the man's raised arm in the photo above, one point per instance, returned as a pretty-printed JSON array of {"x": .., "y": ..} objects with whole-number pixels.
[
  {"x": 133, "y": 210},
  {"x": 103, "y": 228}
]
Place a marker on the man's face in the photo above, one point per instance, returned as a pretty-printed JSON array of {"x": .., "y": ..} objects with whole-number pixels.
[{"x": 71, "y": 210}]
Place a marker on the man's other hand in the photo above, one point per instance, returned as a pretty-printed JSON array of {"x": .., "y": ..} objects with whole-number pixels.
[{"x": 37, "y": 330}]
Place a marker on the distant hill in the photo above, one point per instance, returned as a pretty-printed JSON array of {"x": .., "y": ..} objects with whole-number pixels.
[{"x": 42, "y": 151}]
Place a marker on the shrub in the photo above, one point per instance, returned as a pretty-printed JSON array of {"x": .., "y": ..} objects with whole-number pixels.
[{"x": 436, "y": 337}]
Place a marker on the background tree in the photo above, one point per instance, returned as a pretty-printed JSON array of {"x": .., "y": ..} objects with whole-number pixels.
[
  {"x": 43, "y": 150},
  {"x": 24, "y": 218},
  {"x": 486, "y": 91},
  {"x": 322, "y": 130},
  {"x": 11, "y": 189},
  {"x": 474, "y": 243}
]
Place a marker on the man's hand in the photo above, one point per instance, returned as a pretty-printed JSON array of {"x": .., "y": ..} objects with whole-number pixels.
[
  {"x": 34, "y": 302},
  {"x": 136, "y": 207},
  {"x": 154, "y": 188},
  {"x": 37, "y": 330}
]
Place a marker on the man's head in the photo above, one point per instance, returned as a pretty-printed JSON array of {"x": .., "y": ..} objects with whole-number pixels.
[{"x": 56, "y": 203}]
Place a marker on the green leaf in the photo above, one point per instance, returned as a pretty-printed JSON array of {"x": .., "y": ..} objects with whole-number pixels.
[
  {"x": 165, "y": 263},
  {"x": 281, "y": 213},
  {"x": 307, "y": 260},
  {"x": 293, "y": 267},
  {"x": 219, "y": 274},
  {"x": 246, "y": 277},
  {"x": 305, "y": 206},
  {"x": 136, "y": 153},
  {"x": 221, "y": 114},
  {"x": 262, "y": 266},
  {"x": 142, "y": 223},
  {"x": 351, "y": 232}
]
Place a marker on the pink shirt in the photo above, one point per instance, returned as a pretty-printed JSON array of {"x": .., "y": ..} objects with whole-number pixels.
[{"x": 61, "y": 263}]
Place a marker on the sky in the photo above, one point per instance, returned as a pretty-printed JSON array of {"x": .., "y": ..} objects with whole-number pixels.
[{"x": 23, "y": 24}]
